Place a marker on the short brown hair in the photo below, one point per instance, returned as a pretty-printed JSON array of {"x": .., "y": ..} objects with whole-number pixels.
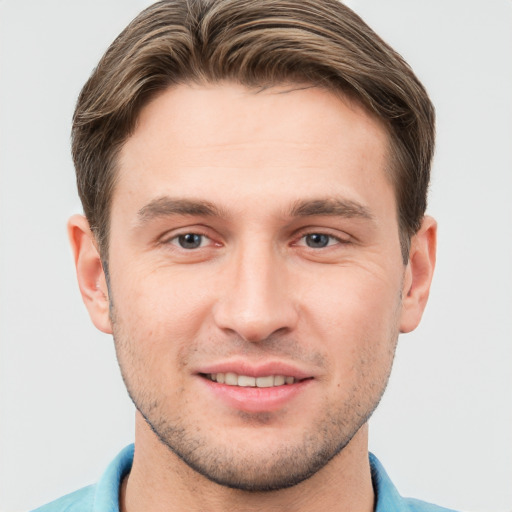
[{"x": 255, "y": 43}]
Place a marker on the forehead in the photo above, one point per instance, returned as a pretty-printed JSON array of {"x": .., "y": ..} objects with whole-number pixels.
[
  {"x": 198, "y": 137},
  {"x": 228, "y": 112}
]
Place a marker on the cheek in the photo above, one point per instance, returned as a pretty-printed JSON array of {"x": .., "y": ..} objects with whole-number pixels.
[
  {"x": 352, "y": 300},
  {"x": 160, "y": 299},
  {"x": 157, "y": 320},
  {"x": 357, "y": 316}
]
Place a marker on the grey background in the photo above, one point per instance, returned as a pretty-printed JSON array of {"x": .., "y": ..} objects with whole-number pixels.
[{"x": 444, "y": 429}]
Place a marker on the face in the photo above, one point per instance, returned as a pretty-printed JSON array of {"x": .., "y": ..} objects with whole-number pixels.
[{"x": 256, "y": 277}]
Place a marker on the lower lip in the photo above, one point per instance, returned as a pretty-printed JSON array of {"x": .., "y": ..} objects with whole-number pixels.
[{"x": 253, "y": 399}]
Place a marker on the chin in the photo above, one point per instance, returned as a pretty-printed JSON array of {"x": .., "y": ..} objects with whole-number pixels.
[{"x": 255, "y": 465}]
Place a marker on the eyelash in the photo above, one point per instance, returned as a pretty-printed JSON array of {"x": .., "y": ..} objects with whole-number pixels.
[
  {"x": 327, "y": 236},
  {"x": 175, "y": 240}
]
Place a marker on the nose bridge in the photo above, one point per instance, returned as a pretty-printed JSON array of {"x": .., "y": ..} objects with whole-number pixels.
[{"x": 256, "y": 301}]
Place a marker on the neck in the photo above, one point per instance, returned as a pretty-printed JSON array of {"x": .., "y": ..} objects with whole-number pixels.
[{"x": 160, "y": 481}]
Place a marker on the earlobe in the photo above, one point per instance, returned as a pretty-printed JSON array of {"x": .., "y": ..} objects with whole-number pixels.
[
  {"x": 418, "y": 274},
  {"x": 89, "y": 271}
]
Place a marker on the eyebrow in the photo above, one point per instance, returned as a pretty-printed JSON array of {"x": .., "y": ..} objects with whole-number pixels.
[
  {"x": 335, "y": 207},
  {"x": 167, "y": 206}
]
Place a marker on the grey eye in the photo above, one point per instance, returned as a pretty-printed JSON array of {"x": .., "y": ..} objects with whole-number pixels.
[
  {"x": 190, "y": 241},
  {"x": 317, "y": 240}
]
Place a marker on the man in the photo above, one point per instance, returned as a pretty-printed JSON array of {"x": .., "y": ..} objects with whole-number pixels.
[{"x": 253, "y": 177}]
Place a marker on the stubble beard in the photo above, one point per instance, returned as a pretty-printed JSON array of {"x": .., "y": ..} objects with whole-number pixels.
[{"x": 238, "y": 466}]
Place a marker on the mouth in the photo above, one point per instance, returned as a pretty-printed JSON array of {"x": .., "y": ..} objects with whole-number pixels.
[
  {"x": 255, "y": 388},
  {"x": 247, "y": 381}
]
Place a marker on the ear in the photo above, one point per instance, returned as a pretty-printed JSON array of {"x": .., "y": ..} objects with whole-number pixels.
[
  {"x": 418, "y": 274},
  {"x": 89, "y": 271}
]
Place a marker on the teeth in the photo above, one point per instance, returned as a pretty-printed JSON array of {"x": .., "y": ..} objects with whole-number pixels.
[
  {"x": 279, "y": 380},
  {"x": 246, "y": 382},
  {"x": 265, "y": 382},
  {"x": 232, "y": 379}
]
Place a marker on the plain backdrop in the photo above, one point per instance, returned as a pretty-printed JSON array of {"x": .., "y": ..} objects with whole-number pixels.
[{"x": 444, "y": 428}]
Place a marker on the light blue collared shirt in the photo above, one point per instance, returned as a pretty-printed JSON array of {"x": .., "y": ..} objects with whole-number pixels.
[{"x": 104, "y": 496}]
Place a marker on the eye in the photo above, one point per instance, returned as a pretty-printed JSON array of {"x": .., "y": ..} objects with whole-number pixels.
[
  {"x": 190, "y": 240},
  {"x": 319, "y": 240}
]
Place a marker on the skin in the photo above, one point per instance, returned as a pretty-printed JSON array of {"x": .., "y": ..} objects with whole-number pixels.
[{"x": 298, "y": 264}]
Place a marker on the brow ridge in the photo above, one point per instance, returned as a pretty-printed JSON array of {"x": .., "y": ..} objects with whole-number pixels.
[
  {"x": 166, "y": 206},
  {"x": 330, "y": 206}
]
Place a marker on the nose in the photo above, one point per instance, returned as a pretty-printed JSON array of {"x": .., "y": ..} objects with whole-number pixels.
[{"x": 257, "y": 300}]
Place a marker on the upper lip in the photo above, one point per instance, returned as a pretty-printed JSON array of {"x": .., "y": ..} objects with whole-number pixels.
[{"x": 255, "y": 370}]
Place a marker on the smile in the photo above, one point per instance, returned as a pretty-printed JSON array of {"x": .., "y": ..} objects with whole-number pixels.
[
  {"x": 246, "y": 381},
  {"x": 267, "y": 388}
]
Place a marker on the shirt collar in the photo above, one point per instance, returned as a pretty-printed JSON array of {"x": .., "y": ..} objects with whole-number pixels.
[
  {"x": 386, "y": 495},
  {"x": 106, "y": 497}
]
